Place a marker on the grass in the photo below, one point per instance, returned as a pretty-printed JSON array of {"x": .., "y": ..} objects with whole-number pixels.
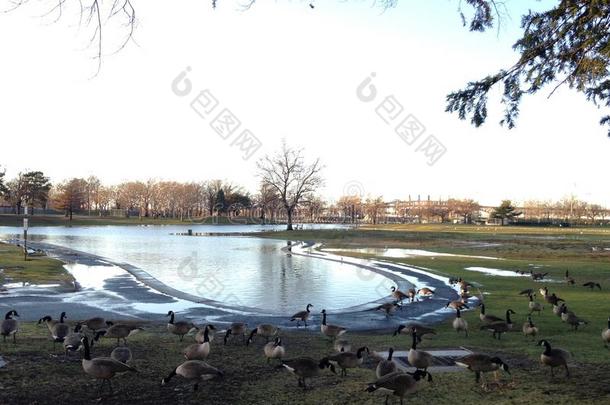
[
  {"x": 249, "y": 380},
  {"x": 36, "y": 270}
]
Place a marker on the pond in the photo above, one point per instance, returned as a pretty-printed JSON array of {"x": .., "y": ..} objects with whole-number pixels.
[{"x": 234, "y": 270}]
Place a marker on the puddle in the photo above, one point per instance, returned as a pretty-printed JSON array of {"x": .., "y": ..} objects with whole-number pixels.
[
  {"x": 496, "y": 272},
  {"x": 399, "y": 253}
]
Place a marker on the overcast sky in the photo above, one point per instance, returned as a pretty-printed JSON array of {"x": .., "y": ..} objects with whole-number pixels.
[{"x": 285, "y": 70}]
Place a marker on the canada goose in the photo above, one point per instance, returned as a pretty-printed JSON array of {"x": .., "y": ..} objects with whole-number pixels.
[
  {"x": 557, "y": 309},
  {"x": 457, "y": 305},
  {"x": 482, "y": 363},
  {"x": 332, "y": 331},
  {"x": 178, "y": 328},
  {"x": 302, "y": 316},
  {"x": 398, "y": 295},
  {"x": 388, "y": 308},
  {"x": 265, "y": 330},
  {"x": 527, "y": 291},
  {"x": 534, "y": 306},
  {"x": 569, "y": 280},
  {"x": 59, "y": 330},
  {"x": 236, "y": 329},
  {"x": 117, "y": 331},
  {"x": 95, "y": 324},
  {"x": 554, "y": 357},
  {"x": 592, "y": 285},
  {"x": 386, "y": 366},
  {"x": 199, "y": 351},
  {"x": 412, "y": 294},
  {"x": 606, "y": 334},
  {"x": 10, "y": 326},
  {"x": 342, "y": 346},
  {"x": 408, "y": 329},
  {"x": 102, "y": 368},
  {"x": 426, "y": 292},
  {"x": 200, "y": 336},
  {"x": 274, "y": 350},
  {"x": 418, "y": 358},
  {"x": 345, "y": 360},
  {"x": 553, "y": 299},
  {"x": 460, "y": 324},
  {"x": 544, "y": 291},
  {"x": 486, "y": 317},
  {"x": 72, "y": 342},
  {"x": 529, "y": 329},
  {"x": 538, "y": 276},
  {"x": 500, "y": 327},
  {"x": 571, "y": 319},
  {"x": 122, "y": 354},
  {"x": 194, "y": 370},
  {"x": 399, "y": 384},
  {"x": 306, "y": 367}
]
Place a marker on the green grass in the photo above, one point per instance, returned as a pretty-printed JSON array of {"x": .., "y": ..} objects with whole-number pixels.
[{"x": 36, "y": 270}]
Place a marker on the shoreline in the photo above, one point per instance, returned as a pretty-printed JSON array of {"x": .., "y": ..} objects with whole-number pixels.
[{"x": 139, "y": 296}]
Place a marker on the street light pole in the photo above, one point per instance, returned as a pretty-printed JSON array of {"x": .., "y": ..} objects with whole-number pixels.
[{"x": 25, "y": 235}]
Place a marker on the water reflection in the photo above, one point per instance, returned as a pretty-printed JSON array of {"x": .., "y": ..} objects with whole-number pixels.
[{"x": 236, "y": 270}]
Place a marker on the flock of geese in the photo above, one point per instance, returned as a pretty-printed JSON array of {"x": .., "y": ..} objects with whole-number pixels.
[{"x": 390, "y": 378}]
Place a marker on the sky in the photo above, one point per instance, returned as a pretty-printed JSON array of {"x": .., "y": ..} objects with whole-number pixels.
[{"x": 287, "y": 71}]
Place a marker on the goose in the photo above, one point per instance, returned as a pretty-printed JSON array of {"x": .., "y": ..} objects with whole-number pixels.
[
  {"x": 553, "y": 299},
  {"x": 399, "y": 384},
  {"x": 486, "y": 317},
  {"x": 482, "y": 363},
  {"x": 265, "y": 330},
  {"x": 306, "y": 367},
  {"x": 460, "y": 324},
  {"x": 529, "y": 329},
  {"x": 417, "y": 358},
  {"x": 102, "y": 368},
  {"x": 606, "y": 334},
  {"x": 180, "y": 328},
  {"x": 538, "y": 276},
  {"x": 10, "y": 326},
  {"x": 389, "y": 308},
  {"x": 534, "y": 306},
  {"x": 422, "y": 331},
  {"x": 500, "y": 327},
  {"x": 569, "y": 280},
  {"x": 387, "y": 366},
  {"x": 59, "y": 330},
  {"x": 236, "y": 329},
  {"x": 527, "y": 291},
  {"x": 457, "y": 305},
  {"x": 342, "y": 346},
  {"x": 95, "y": 324},
  {"x": 302, "y": 316},
  {"x": 412, "y": 294},
  {"x": 557, "y": 309},
  {"x": 426, "y": 292},
  {"x": 332, "y": 331},
  {"x": 345, "y": 360},
  {"x": 200, "y": 336},
  {"x": 194, "y": 370},
  {"x": 274, "y": 350},
  {"x": 571, "y": 319},
  {"x": 544, "y": 291},
  {"x": 117, "y": 331},
  {"x": 398, "y": 295},
  {"x": 554, "y": 357},
  {"x": 122, "y": 354},
  {"x": 72, "y": 342},
  {"x": 199, "y": 351},
  {"x": 592, "y": 285}
]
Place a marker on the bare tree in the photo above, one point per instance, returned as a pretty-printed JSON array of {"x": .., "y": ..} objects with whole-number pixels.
[{"x": 294, "y": 180}]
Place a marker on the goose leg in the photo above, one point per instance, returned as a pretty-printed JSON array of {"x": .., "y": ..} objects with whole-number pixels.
[
  {"x": 567, "y": 371},
  {"x": 14, "y": 338}
]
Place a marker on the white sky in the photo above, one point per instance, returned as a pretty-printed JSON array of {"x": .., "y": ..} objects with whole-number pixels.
[{"x": 287, "y": 71}]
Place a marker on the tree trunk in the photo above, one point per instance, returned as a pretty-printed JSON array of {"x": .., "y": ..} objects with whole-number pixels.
[{"x": 289, "y": 215}]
